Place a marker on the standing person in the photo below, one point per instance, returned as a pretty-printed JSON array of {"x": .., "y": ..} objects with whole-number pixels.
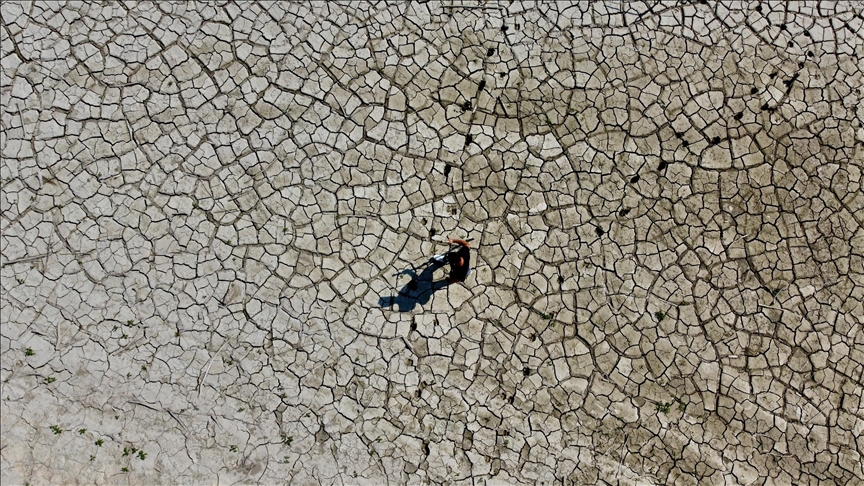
[{"x": 459, "y": 260}]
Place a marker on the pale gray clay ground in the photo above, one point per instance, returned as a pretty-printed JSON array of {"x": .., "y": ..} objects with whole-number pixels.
[{"x": 204, "y": 206}]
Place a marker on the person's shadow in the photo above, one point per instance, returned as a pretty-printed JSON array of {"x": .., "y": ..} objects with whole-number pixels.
[{"x": 418, "y": 291}]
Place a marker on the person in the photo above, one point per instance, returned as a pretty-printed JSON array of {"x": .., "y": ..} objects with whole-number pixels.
[{"x": 459, "y": 260}]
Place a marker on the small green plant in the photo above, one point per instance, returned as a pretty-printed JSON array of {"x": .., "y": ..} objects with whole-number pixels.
[
  {"x": 233, "y": 448},
  {"x": 29, "y": 352},
  {"x": 660, "y": 315},
  {"x": 128, "y": 450},
  {"x": 143, "y": 367},
  {"x": 287, "y": 439},
  {"x": 130, "y": 323},
  {"x": 50, "y": 379},
  {"x": 99, "y": 442},
  {"x": 142, "y": 455},
  {"x": 92, "y": 458},
  {"x": 82, "y": 431},
  {"x": 546, "y": 316},
  {"x": 56, "y": 429},
  {"x": 125, "y": 469},
  {"x": 664, "y": 407}
]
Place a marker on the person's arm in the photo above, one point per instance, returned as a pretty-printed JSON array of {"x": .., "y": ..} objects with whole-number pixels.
[{"x": 459, "y": 242}]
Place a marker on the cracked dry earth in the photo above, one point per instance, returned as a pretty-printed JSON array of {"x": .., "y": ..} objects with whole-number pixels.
[{"x": 205, "y": 208}]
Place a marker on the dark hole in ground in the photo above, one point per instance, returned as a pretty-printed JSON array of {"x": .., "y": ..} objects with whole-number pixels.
[
  {"x": 790, "y": 44},
  {"x": 426, "y": 448},
  {"x": 782, "y": 26},
  {"x": 423, "y": 221},
  {"x": 773, "y": 75},
  {"x": 739, "y": 115},
  {"x": 765, "y": 106},
  {"x": 634, "y": 179},
  {"x": 468, "y": 139},
  {"x": 432, "y": 232},
  {"x": 809, "y": 53},
  {"x": 414, "y": 327},
  {"x": 452, "y": 210},
  {"x": 502, "y": 74},
  {"x": 806, "y": 33},
  {"x": 801, "y": 64},
  {"x": 516, "y": 26},
  {"x": 685, "y": 143},
  {"x": 413, "y": 286},
  {"x": 447, "y": 169},
  {"x": 715, "y": 140},
  {"x": 560, "y": 279},
  {"x": 598, "y": 230},
  {"x": 679, "y": 134},
  {"x": 504, "y": 28},
  {"x": 754, "y": 90},
  {"x": 759, "y": 8},
  {"x": 624, "y": 212},
  {"x": 467, "y": 105},
  {"x": 512, "y": 397},
  {"x": 526, "y": 371},
  {"x": 662, "y": 165},
  {"x": 490, "y": 51},
  {"x": 482, "y": 85}
]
